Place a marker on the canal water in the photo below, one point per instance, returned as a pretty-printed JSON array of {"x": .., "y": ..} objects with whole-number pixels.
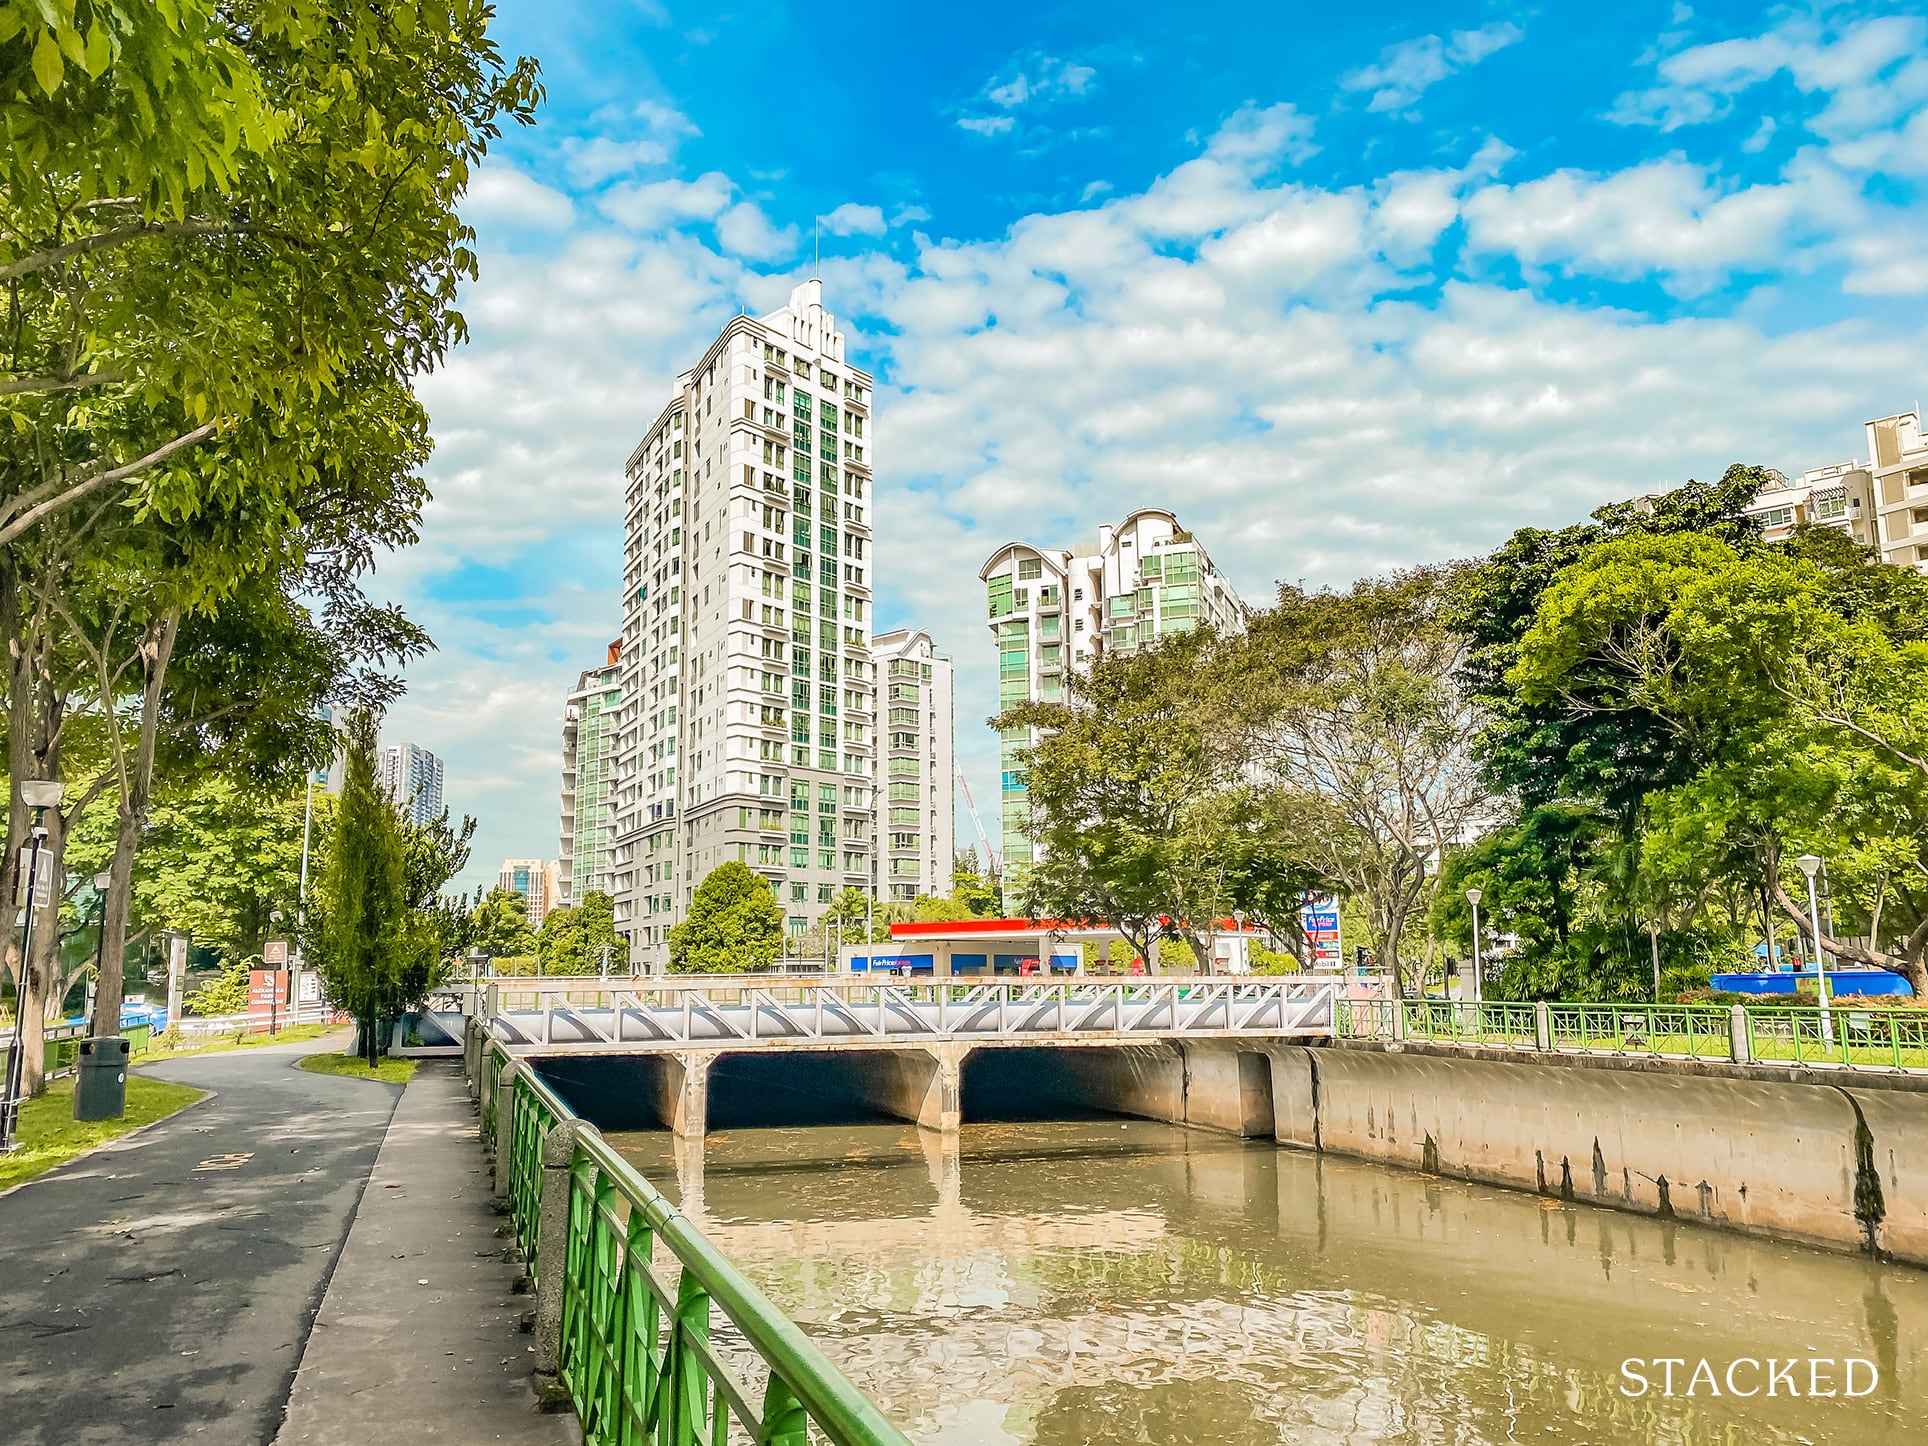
[{"x": 1108, "y": 1281}]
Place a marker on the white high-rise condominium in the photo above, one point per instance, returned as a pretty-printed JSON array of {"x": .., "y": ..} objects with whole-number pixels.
[
  {"x": 1054, "y": 611},
  {"x": 588, "y": 781},
  {"x": 746, "y": 730},
  {"x": 914, "y": 765},
  {"x": 412, "y": 777}
]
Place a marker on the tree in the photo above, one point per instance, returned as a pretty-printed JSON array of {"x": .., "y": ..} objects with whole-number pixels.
[
  {"x": 433, "y": 853},
  {"x": 1795, "y": 680},
  {"x": 734, "y": 925},
  {"x": 581, "y": 939},
  {"x": 1351, "y": 704},
  {"x": 1115, "y": 770},
  {"x": 500, "y": 926},
  {"x": 229, "y": 237},
  {"x": 976, "y": 887},
  {"x": 376, "y": 955}
]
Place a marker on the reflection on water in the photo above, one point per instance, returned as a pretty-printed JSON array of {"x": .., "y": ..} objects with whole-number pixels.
[{"x": 1131, "y": 1282}]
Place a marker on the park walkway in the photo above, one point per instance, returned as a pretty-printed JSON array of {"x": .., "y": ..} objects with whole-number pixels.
[
  {"x": 420, "y": 1325},
  {"x": 167, "y": 1287}
]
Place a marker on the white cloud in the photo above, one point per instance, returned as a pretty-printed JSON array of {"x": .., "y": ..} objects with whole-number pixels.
[
  {"x": 500, "y": 195},
  {"x": 1406, "y": 71},
  {"x": 850, "y": 219},
  {"x": 659, "y": 205},
  {"x": 1872, "y": 74},
  {"x": 1030, "y": 80},
  {"x": 1666, "y": 215},
  {"x": 1227, "y": 340},
  {"x": 745, "y": 231}
]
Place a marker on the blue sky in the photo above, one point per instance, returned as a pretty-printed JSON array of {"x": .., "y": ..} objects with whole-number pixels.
[{"x": 1347, "y": 291}]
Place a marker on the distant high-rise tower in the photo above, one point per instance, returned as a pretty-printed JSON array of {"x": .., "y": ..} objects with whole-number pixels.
[
  {"x": 537, "y": 880},
  {"x": 1055, "y": 611},
  {"x": 748, "y": 708},
  {"x": 589, "y": 781},
  {"x": 914, "y": 766},
  {"x": 413, "y": 778}
]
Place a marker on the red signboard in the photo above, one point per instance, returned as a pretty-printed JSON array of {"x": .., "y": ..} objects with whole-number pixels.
[{"x": 262, "y": 986}]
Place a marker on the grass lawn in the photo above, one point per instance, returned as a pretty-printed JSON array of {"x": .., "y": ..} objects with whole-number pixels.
[
  {"x": 389, "y": 1071},
  {"x": 289, "y": 1034},
  {"x": 50, "y": 1136}
]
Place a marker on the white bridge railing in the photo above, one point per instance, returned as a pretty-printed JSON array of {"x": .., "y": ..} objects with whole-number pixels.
[{"x": 577, "y": 1015}]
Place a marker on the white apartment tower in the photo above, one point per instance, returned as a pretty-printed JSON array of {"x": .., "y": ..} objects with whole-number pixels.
[
  {"x": 589, "y": 782},
  {"x": 746, "y": 729},
  {"x": 1054, "y": 611},
  {"x": 915, "y": 766},
  {"x": 412, "y": 777}
]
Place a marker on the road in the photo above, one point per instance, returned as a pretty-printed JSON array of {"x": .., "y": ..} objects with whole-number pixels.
[{"x": 161, "y": 1289}]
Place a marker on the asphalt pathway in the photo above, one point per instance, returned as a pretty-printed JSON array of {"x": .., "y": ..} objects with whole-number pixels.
[{"x": 162, "y": 1288}]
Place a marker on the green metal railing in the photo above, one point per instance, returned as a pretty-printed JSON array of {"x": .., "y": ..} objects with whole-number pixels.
[
  {"x": 658, "y": 1329},
  {"x": 1862, "y": 1037}
]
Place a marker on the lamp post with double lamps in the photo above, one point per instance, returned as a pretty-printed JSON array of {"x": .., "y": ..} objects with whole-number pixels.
[
  {"x": 1811, "y": 866},
  {"x": 1473, "y": 897},
  {"x": 39, "y": 794}
]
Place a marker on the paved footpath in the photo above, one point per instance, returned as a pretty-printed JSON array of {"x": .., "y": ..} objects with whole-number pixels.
[
  {"x": 420, "y": 1328},
  {"x": 164, "y": 1288}
]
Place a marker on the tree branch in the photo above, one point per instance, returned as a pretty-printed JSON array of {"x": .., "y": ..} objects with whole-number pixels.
[
  {"x": 119, "y": 236},
  {"x": 43, "y": 385},
  {"x": 78, "y": 490}
]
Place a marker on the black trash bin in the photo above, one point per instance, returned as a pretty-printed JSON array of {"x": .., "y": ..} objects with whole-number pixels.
[{"x": 100, "y": 1088}]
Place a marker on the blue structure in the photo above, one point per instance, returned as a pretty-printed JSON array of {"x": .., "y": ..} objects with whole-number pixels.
[{"x": 1840, "y": 981}]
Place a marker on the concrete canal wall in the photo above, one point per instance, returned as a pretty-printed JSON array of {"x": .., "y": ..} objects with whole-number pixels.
[{"x": 1837, "y": 1161}]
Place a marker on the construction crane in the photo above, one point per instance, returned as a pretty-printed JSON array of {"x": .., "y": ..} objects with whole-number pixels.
[{"x": 978, "y": 823}]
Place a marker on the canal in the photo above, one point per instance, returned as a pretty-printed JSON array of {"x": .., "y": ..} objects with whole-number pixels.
[{"x": 1069, "y": 1283}]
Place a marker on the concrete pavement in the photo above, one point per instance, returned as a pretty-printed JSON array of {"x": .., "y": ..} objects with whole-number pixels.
[
  {"x": 419, "y": 1326},
  {"x": 162, "y": 1288}
]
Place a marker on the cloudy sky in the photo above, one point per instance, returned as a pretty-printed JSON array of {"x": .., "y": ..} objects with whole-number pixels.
[{"x": 1346, "y": 290}]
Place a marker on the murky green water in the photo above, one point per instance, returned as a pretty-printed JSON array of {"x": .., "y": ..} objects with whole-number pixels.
[{"x": 1108, "y": 1282}]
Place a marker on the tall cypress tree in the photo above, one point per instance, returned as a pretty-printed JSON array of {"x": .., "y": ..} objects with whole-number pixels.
[{"x": 364, "y": 943}]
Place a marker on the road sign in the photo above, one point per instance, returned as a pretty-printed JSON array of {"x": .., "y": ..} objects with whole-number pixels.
[{"x": 274, "y": 954}]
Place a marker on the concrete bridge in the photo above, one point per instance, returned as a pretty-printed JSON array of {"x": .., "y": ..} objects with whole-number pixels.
[{"x": 1186, "y": 1050}]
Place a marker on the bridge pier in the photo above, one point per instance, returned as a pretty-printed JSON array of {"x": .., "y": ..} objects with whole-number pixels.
[
  {"x": 920, "y": 1085},
  {"x": 677, "y": 1087}
]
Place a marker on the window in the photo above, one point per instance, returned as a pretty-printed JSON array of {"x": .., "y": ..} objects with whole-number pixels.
[
  {"x": 1029, "y": 568},
  {"x": 1777, "y": 517},
  {"x": 1830, "y": 508}
]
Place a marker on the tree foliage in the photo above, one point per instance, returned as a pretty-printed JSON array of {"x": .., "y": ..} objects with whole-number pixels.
[
  {"x": 376, "y": 955},
  {"x": 581, "y": 938},
  {"x": 734, "y": 925},
  {"x": 499, "y": 926}
]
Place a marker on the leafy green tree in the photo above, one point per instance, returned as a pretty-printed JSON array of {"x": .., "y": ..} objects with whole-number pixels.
[
  {"x": 229, "y": 237},
  {"x": 1797, "y": 680},
  {"x": 376, "y": 955},
  {"x": 1351, "y": 704},
  {"x": 433, "y": 853},
  {"x": 734, "y": 925},
  {"x": 500, "y": 925},
  {"x": 976, "y": 887},
  {"x": 226, "y": 993},
  {"x": 581, "y": 939}
]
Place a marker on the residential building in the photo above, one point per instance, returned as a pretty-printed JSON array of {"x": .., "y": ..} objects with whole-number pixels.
[
  {"x": 746, "y": 726},
  {"x": 1054, "y": 611},
  {"x": 588, "y": 781},
  {"x": 537, "y": 880},
  {"x": 1898, "y": 472},
  {"x": 412, "y": 777},
  {"x": 1839, "y": 496},
  {"x": 915, "y": 766}
]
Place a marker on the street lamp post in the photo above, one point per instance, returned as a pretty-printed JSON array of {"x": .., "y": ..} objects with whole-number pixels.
[
  {"x": 101, "y": 884},
  {"x": 39, "y": 795},
  {"x": 1811, "y": 866},
  {"x": 1473, "y": 897}
]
